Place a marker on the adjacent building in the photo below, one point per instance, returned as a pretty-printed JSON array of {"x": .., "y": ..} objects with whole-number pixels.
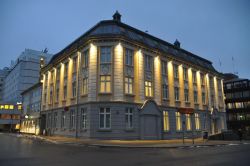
[
  {"x": 10, "y": 116},
  {"x": 117, "y": 82},
  {"x": 31, "y": 109},
  {"x": 3, "y": 74},
  {"x": 237, "y": 92},
  {"x": 24, "y": 73}
]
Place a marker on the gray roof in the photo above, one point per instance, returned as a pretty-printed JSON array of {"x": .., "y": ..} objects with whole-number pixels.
[{"x": 111, "y": 28}]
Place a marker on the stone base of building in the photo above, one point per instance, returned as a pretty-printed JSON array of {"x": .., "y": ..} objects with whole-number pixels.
[{"x": 111, "y": 120}]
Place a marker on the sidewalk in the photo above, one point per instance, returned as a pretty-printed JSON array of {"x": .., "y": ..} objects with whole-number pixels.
[{"x": 176, "y": 143}]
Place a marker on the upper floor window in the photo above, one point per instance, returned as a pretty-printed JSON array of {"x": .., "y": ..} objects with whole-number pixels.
[
  {"x": 185, "y": 76},
  {"x": 164, "y": 68},
  {"x": 148, "y": 62},
  {"x": 129, "y": 57},
  {"x": 66, "y": 66},
  {"x": 176, "y": 71},
  {"x": 74, "y": 89},
  {"x": 58, "y": 73},
  {"x": 105, "y": 82},
  {"x": 203, "y": 95},
  {"x": 128, "y": 85},
  {"x": 202, "y": 80},
  {"x": 105, "y": 54},
  {"x": 84, "y": 86},
  {"x": 195, "y": 97},
  {"x": 176, "y": 93},
  {"x": 85, "y": 59},
  {"x": 148, "y": 89},
  {"x": 186, "y": 97},
  {"x": 74, "y": 64},
  {"x": 194, "y": 76}
]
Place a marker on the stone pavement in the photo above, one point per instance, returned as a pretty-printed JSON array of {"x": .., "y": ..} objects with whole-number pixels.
[{"x": 175, "y": 143}]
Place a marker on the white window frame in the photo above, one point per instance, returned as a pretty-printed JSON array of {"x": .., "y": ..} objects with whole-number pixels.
[
  {"x": 129, "y": 118},
  {"x": 106, "y": 112},
  {"x": 83, "y": 118}
]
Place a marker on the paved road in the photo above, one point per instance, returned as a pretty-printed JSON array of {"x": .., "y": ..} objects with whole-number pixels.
[{"x": 24, "y": 152}]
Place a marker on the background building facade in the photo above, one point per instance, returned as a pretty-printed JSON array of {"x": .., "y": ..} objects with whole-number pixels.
[
  {"x": 116, "y": 82},
  {"x": 237, "y": 92},
  {"x": 31, "y": 109},
  {"x": 24, "y": 73},
  {"x": 3, "y": 74}
]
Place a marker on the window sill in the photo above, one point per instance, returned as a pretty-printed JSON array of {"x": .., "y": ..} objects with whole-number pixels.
[
  {"x": 72, "y": 129},
  {"x": 165, "y": 99},
  {"x": 187, "y": 102},
  {"x": 72, "y": 98},
  {"x": 104, "y": 130},
  {"x": 56, "y": 102},
  {"x": 129, "y": 129},
  {"x": 64, "y": 100},
  {"x": 83, "y": 130},
  {"x": 103, "y": 93},
  {"x": 196, "y": 104},
  {"x": 84, "y": 95},
  {"x": 166, "y": 131},
  {"x": 130, "y": 95},
  {"x": 177, "y": 101},
  {"x": 149, "y": 97}
]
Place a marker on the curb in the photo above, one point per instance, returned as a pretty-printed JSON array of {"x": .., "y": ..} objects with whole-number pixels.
[{"x": 125, "y": 146}]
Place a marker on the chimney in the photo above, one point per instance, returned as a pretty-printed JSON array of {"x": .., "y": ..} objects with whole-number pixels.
[
  {"x": 177, "y": 43},
  {"x": 117, "y": 16}
]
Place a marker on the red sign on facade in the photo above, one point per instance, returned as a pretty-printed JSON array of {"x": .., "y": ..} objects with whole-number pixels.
[{"x": 186, "y": 110}]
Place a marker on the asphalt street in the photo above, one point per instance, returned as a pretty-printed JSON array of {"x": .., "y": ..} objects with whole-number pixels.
[{"x": 26, "y": 152}]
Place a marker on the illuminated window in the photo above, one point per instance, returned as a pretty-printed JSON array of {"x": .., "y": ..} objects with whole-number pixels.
[
  {"x": 105, "y": 86},
  {"x": 195, "y": 97},
  {"x": 194, "y": 76},
  {"x": 188, "y": 122},
  {"x": 63, "y": 118},
  {"x": 83, "y": 118},
  {"x": 176, "y": 93},
  {"x": 105, "y": 118},
  {"x": 85, "y": 59},
  {"x": 72, "y": 118},
  {"x": 176, "y": 71},
  {"x": 129, "y": 118},
  {"x": 186, "y": 96},
  {"x": 203, "y": 95},
  {"x": 165, "y": 121},
  {"x": 105, "y": 54},
  {"x": 148, "y": 89},
  {"x": 128, "y": 85},
  {"x": 178, "y": 121},
  {"x": 129, "y": 57},
  {"x": 84, "y": 86},
  {"x": 185, "y": 76},
  {"x": 197, "y": 121}
]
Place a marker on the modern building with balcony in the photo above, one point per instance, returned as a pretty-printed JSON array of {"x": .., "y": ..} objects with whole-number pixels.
[
  {"x": 117, "y": 82},
  {"x": 237, "y": 92}
]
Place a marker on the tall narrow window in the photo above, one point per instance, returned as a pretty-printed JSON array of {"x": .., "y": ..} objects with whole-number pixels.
[
  {"x": 105, "y": 84},
  {"x": 185, "y": 76},
  {"x": 129, "y": 118},
  {"x": 176, "y": 71},
  {"x": 105, "y": 70},
  {"x": 129, "y": 71},
  {"x": 186, "y": 95},
  {"x": 85, "y": 61},
  {"x": 164, "y": 80},
  {"x": 176, "y": 93},
  {"x": 178, "y": 121},
  {"x": 203, "y": 98},
  {"x": 148, "y": 63},
  {"x": 128, "y": 85},
  {"x": 51, "y": 94},
  {"x": 197, "y": 121},
  {"x": 195, "y": 97},
  {"x": 194, "y": 76},
  {"x": 57, "y": 90},
  {"x": 66, "y": 66},
  {"x": 74, "y": 89},
  {"x": 105, "y": 118},
  {"x": 188, "y": 122},
  {"x": 165, "y": 121},
  {"x": 55, "y": 120},
  {"x": 83, "y": 118},
  {"x": 72, "y": 118},
  {"x": 75, "y": 64},
  {"x": 148, "y": 89},
  {"x": 202, "y": 80},
  {"x": 63, "y": 118}
]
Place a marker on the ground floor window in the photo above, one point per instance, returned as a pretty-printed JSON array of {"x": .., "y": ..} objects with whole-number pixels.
[
  {"x": 63, "y": 117},
  {"x": 72, "y": 118},
  {"x": 129, "y": 118},
  {"x": 188, "y": 122},
  {"x": 55, "y": 120},
  {"x": 165, "y": 121},
  {"x": 105, "y": 118},
  {"x": 83, "y": 118},
  {"x": 197, "y": 121},
  {"x": 178, "y": 121}
]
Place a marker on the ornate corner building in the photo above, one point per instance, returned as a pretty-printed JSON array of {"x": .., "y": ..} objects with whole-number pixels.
[{"x": 117, "y": 82}]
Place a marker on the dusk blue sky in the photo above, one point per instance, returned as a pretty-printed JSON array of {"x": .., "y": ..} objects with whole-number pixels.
[{"x": 213, "y": 29}]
